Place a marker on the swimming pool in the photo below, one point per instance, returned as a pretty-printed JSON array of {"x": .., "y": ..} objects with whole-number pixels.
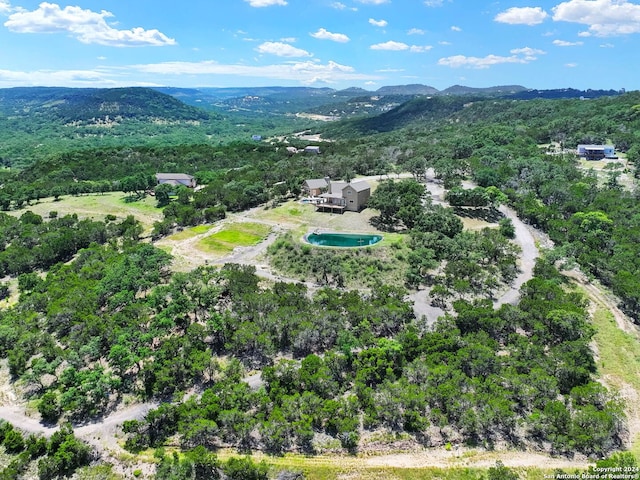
[{"x": 343, "y": 239}]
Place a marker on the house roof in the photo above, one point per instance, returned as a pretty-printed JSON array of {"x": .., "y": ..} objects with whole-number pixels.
[
  {"x": 358, "y": 186},
  {"x": 594, "y": 147},
  {"x": 331, "y": 195},
  {"x": 316, "y": 183},
  {"x": 173, "y": 176}
]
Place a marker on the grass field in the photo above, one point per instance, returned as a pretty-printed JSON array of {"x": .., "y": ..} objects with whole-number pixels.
[
  {"x": 619, "y": 365},
  {"x": 239, "y": 234},
  {"x": 97, "y": 206},
  {"x": 190, "y": 233},
  {"x": 336, "y": 467}
]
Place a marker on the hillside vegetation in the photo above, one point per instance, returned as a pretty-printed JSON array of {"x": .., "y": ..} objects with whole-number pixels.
[{"x": 97, "y": 315}]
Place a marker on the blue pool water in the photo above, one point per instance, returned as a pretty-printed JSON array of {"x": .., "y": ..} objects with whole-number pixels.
[{"x": 343, "y": 239}]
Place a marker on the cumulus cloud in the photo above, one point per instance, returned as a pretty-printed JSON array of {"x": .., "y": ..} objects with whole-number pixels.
[
  {"x": 455, "y": 28},
  {"x": 416, "y": 31},
  {"x": 282, "y": 50},
  {"x": 87, "y": 26},
  {"x": 522, "y": 16},
  {"x": 400, "y": 46},
  {"x": 571, "y": 65},
  {"x": 5, "y": 7},
  {"x": 433, "y": 3},
  {"x": 528, "y": 52},
  {"x": 378, "y": 23},
  {"x": 323, "y": 34},
  {"x": 564, "y": 43},
  {"x": 604, "y": 18},
  {"x": 518, "y": 55},
  {"x": 373, "y": 2},
  {"x": 265, "y": 3}
]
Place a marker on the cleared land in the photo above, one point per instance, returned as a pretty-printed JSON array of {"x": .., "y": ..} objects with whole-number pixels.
[{"x": 97, "y": 206}]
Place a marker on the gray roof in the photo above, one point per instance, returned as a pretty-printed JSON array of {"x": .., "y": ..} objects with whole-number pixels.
[
  {"x": 358, "y": 186},
  {"x": 316, "y": 183},
  {"x": 173, "y": 176}
]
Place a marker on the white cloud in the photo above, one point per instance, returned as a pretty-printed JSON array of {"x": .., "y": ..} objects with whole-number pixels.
[
  {"x": 458, "y": 61},
  {"x": 571, "y": 65},
  {"x": 528, "y": 52},
  {"x": 5, "y": 7},
  {"x": 76, "y": 78},
  {"x": 307, "y": 72},
  {"x": 282, "y": 50},
  {"x": 420, "y": 48},
  {"x": 378, "y": 23},
  {"x": 416, "y": 31},
  {"x": 522, "y": 16},
  {"x": 265, "y": 3},
  {"x": 605, "y": 18},
  {"x": 399, "y": 46},
  {"x": 390, "y": 70},
  {"x": 444, "y": 42},
  {"x": 607, "y": 45},
  {"x": 519, "y": 55},
  {"x": 564, "y": 43},
  {"x": 433, "y": 3},
  {"x": 289, "y": 39},
  {"x": 373, "y": 2},
  {"x": 198, "y": 73},
  {"x": 342, "y": 6},
  {"x": 390, "y": 45},
  {"x": 323, "y": 34},
  {"x": 87, "y": 26},
  {"x": 455, "y": 29}
]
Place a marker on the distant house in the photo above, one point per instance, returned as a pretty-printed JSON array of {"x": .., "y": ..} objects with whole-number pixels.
[
  {"x": 312, "y": 149},
  {"x": 341, "y": 196},
  {"x": 596, "y": 152},
  {"x": 176, "y": 179},
  {"x": 315, "y": 186},
  {"x": 256, "y": 138},
  {"x": 292, "y": 150}
]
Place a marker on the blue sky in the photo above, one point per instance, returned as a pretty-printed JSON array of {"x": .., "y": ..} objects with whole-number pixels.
[{"x": 363, "y": 43}]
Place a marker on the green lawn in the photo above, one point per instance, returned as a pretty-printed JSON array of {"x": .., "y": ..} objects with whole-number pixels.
[
  {"x": 239, "y": 234},
  {"x": 190, "y": 232},
  {"x": 618, "y": 361}
]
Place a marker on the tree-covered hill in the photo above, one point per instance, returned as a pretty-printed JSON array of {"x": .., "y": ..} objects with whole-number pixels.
[
  {"x": 38, "y": 122},
  {"x": 83, "y": 105}
]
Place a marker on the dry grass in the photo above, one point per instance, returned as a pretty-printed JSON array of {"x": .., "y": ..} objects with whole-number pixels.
[{"x": 97, "y": 206}]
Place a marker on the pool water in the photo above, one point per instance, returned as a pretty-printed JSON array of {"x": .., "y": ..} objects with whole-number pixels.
[{"x": 342, "y": 239}]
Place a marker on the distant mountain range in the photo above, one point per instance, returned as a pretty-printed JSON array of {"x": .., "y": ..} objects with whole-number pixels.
[{"x": 191, "y": 104}]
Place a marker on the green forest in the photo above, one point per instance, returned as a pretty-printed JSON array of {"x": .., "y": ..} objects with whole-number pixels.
[{"x": 95, "y": 315}]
